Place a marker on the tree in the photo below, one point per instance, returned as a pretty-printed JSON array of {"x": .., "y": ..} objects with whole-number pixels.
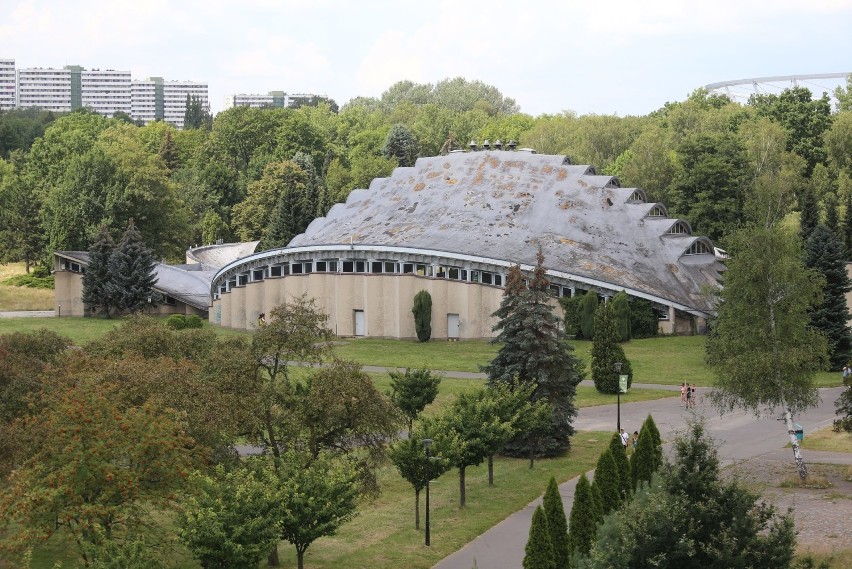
[
  {"x": 97, "y": 292},
  {"x": 648, "y": 457},
  {"x": 588, "y": 308},
  {"x": 809, "y": 218},
  {"x": 608, "y": 482},
  {"x": 401, "y": 144},
  {"x": 843, "y": 405},
  {"x": 196, "y": 116},
  {"x": 230, "y": 518},
  {"x": 824, "y": 253},
  {"x": 538, "y": 553},
  {"x": 168, "y": 151},
  {"x": 132, "y": 268},
  {"x": 423, "y": 315},
  {"x": 409, "y": 458},
  {"x": 557, "y": 524},
  {"x": 93, "y": 467},
  {"x": 571, "y": 315},
  {"x": 21, "y": 235},
  {"x": 534, "y": 352},
  {"x": 762, "y": 348},
  {"x": 606, "y": 351},
  {"x": 413, "y": 391},
  {"x": 847, "y": 227},
  {"x": 621, "y": 316},
  {"x": 586, "y": 513},
  {"x": 644, "y": 322},
  {"x": 467, "y": 432},
  {"x": 622, "y": 466},
  {"x": 316, "y": 500},
  {"x": 275, "y": 207}
]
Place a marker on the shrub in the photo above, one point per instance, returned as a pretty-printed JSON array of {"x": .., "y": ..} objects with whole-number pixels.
[
  {"x": 571, "y": 315},
  {"x": 194, "y": 321},
  {"x": 30, "y": 281},
  {"x": 423, "y": 315},
  {"x": 176, "y": 322}
]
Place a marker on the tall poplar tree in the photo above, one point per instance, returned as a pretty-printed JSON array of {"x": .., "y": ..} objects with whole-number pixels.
[
  {"x": 824, "y": 252},
  {"x": 606, "y": 351},
  {"x": 534, "y": 352}
]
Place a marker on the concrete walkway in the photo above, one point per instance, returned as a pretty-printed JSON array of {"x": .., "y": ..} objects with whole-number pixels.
[
  {"x": 741, "y": 436},
  {"x": 28, "y": 314}
]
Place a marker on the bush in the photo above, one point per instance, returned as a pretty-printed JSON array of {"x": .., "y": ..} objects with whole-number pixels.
[
  {"x": 644, "y": 322},
  {"x": 176, "y": 322},
  {"x": 30, "y": 281},
  {"x": 571, "y": 315},
  {"x": 422, "y": 311},
  {"x": 194, "y": 321}
]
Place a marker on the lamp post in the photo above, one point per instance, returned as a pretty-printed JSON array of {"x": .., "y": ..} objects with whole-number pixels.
[
  {"x": 617, "y": 366},
  {"x": 427, "y": 444}
]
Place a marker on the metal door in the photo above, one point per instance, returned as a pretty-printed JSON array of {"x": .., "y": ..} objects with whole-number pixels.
[
  {"x": 452, "y": 326},
  {"x": 359, "y": 323}
]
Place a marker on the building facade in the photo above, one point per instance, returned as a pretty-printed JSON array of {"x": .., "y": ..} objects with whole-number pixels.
[
  {"x": 73, "y": 87},
  {"x": 8, "y": 85},
  {"x": 155, "y": 99}
]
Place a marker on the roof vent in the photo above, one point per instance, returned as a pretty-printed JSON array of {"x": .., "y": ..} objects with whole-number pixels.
[
  {"x": 472, "y": 146},
  {"x": 486, "y": 145},
  {"x": 566, "y": 161},
  {"x": 511, "y": 145},
  {"x": 498, "y": 145}
]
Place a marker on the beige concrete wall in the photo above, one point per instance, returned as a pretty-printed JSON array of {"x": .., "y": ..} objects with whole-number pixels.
[
  {"x": 68, "y": 293},
  {"x": 385, "y": 299}
]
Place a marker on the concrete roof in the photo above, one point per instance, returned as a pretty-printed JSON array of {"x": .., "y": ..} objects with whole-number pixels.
[
  {"x": 504, "y": 205},
  {"x": 214, "y": 257}
]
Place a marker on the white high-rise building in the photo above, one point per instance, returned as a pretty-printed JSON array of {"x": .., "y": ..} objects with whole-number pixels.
[
  {"x": 72, "y": 87},
  {"x": 156, "y": 99},
  {"x": 48, "y": 89},
  {"x": 272, "y": 99},
  {"x": 8, "y": 84}
]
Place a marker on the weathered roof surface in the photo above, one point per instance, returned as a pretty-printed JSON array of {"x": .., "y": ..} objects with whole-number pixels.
[
  {"x": 504, "y": 205},
  {"x": 214, "y": 257}
]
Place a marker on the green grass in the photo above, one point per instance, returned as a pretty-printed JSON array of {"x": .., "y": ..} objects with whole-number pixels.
[
  {"x": 14, "y": 298},
  {"x": 827, "y": 439}
]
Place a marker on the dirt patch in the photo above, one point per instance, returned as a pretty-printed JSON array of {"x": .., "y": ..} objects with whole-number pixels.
[{"x": 823, "y": 516}]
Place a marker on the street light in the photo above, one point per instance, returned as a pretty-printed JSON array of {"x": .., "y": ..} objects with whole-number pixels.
[
  {"x": 427, "y": 444},
  {"x": 617, "y": 366}
]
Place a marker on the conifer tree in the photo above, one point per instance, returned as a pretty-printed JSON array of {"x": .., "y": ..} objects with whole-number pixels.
[
  {"x": 824, "y": 253},
  {"x": 622, "y": 466},
  {"x": 168, "y": 151},
  {"x": 588, "y": 307},
  {"x": 831, "y": 219},
  {"x": 585, "y": 516},
  {"x": 132, "y": 273},
  {"x": 648, "y": 456},
  {"x": 606, "y": 479},
  {"x": 534, "y": 352},
  {"x": 621, "y": 316},
  {"x": 847, "y": 226},
  {"x": 402, "y": 145},
  {"x": 96, "y": 279},
  {"x": 809, "y": 217},
  {"x": 606, "y": 351},
  {"x": 554, "y": 510},
  {"x": 539, "y": 549},
  {"x": 422, "y": 311}
]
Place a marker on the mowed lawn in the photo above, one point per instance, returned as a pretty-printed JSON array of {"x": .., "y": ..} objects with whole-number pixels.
[{"x": 15, "y": 298}]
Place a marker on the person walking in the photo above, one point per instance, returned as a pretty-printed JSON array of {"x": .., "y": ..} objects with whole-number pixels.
[
  {"x": 683, "y": 395},
  {"x": 635, "y": 440},
  {"x": 624, "y": 438},
  {"x": 694, "y": 396},
  {"x": 688, "y": 397}
]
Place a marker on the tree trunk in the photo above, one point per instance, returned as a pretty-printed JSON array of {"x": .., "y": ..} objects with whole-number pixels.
[
  {"x": 532, "y": 454},
  {"x": 300, "y": 559},
  {"x": 461, "y": 487},
  {"x": 491, "y": 470},
  {"x": 794, "y": 442},
  {"x": 272, "y": 559},
  {"x": 416, "y": 509}
]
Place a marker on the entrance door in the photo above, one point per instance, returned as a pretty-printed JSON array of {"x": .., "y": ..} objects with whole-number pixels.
[
  {"x": 452, "y": 326},
  {"x": 359, "y": 323}
]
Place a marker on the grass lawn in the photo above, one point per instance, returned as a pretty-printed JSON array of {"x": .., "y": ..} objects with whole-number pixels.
[
  {"x": 16, "y": 298},
  {"x": 827, "y": 439}
]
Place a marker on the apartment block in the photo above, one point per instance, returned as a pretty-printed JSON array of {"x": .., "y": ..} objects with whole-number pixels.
[
  {"x": 156, "y": 99},
  {"x": 8, "y": 84}
]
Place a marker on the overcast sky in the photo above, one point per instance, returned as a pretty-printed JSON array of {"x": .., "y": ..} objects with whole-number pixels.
[{"x": 596, "y": 56}]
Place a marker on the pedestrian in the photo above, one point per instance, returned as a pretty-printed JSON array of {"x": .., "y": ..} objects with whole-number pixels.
[
  {"x": 688, "y": 397},
  {"x": 683, "y": 395},
  {"x": 635, "y": 441},
  {"x": 624, "y": 438},
  {"x": 845, "y": 371},
  {"x": 694, "y": 396},
  {"x": 261, "y": 318}
]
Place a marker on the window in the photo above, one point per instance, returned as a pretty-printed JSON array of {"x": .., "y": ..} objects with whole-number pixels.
[
  {"x": 566, "y": 291},
  {"x": 498, "y": 280},
  {"x": 376, "y": 267},
  {"x": 169, "y": 301},
  {"x": 474, "y": 276},
  {"x": 390, "y": 267},
  {"x": 75, "y": 267},
  {"x": 464, "y": 274},
  {"x": 678, "y": 228},
  {"x": 441, "y": 272},
  {"x": 326, "y": 266},
  {"x": 275, "y": 271},
  {"x": 636, "y": 196},
  {"x": 348, "y": 266},
  {"x": 296, "y": 268},
  {"x": 407, "y": 268},
  {"x": 453, "y": 273},
  {"x": 554, "y": 290},
  {"x": 657, "y": 211},
  {"x": 360, "y": 266},
  {"x": 321, "y": 266},
  {"x": 257, "y": 275},
  {"x": 487, "y": 278},
  {"x": 285, "y": 269},
  {"x": 242, "y": 280},
  {"x": 421, "y": 270},
  {"x": 309, "y": 266},
  {"x": 698, "y": 248}
]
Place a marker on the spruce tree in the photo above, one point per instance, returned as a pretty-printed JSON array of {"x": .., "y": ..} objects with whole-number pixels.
[
  {"x": 132, "y": 268},
  {"x": 622, "y": 466},
  {"x": 422, "y": 310},
  {"x": 96, "y": 279},
  {"x": 584, "y": 519},
  {"x": 621, "y": 316},
  {"x": 831, "y": 219},
  {"x": 606, "y": 351},
  {"x": 824, "y": 253},
  {"x": 847, "y": 226},
  {"x": 588, "y": 307},
  {"x": 809, "y": 217},
  {"x": 168, "y": 151},
  {"x": 557, "y": 524},
  {"x": 402, "y": 145},
  {"x": 607, "y": 481},
  {"x": 534, "y": 352}
]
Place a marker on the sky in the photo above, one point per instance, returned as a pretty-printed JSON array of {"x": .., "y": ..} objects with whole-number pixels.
[{"x": 625, "y": 57}]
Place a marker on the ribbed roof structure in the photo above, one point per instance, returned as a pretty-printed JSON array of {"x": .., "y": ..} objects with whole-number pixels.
[{"x": 504, "y": 205}]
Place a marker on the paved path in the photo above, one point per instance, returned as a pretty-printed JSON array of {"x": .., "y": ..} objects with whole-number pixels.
[
  {"x": 742, "y": 436},
  {"x": 28, "y": 314}
]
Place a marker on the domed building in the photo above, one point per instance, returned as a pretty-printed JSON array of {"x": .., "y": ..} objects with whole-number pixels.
[{"x": 453, "y": 225}]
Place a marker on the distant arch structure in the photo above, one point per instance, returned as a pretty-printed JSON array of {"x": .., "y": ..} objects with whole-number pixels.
[{"x": 741, "y": 89}]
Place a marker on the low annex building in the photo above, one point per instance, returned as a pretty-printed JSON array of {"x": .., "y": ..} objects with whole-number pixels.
[{"x": 453, "y": 225}]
